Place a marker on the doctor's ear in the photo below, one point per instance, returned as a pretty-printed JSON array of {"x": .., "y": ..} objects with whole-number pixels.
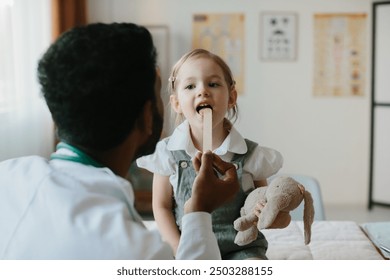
[{"x": 145, "y": 120}]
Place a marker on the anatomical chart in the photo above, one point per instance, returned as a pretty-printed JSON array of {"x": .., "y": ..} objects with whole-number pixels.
[
  {"x": 340, "y": 54},
  {"x": 222, "y": 34}
]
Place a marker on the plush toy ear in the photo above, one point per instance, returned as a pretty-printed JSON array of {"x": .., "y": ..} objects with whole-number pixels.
[{"x": 308, "y": 215}]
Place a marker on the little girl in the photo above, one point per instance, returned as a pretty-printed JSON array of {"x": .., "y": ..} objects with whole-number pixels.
[{"x": 201, "y": 79}]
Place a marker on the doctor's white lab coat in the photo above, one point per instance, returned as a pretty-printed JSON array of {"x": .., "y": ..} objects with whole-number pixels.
[{"x": 61, "y": 209}]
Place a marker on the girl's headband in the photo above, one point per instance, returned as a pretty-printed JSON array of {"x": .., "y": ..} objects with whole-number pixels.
[{"x": 172, "y": 81}]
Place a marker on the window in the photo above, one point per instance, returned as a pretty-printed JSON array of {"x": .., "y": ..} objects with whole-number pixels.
[{"x": 25, "y": 123}]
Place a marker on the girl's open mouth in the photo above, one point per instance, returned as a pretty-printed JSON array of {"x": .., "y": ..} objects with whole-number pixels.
[{"x": 203, "y": 106}]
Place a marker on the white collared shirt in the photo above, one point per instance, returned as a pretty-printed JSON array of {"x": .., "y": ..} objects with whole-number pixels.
[
  {"x": 61, "y": 209},
  {"x": 261, "y": 164}
]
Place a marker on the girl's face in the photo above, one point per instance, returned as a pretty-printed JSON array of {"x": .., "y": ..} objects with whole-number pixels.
[{"x": 200, "y": 83}]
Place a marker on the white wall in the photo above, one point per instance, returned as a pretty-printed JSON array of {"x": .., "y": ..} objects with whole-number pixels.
[{"x": 327, "y": 138}]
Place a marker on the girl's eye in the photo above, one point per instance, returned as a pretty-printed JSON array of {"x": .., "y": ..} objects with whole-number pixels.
[
  {"x": 190, "y": 87},
  {"x": 213, "y": 84}
]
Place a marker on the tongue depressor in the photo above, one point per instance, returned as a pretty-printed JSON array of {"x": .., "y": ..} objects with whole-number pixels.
[{"x": 207, "y": 129}]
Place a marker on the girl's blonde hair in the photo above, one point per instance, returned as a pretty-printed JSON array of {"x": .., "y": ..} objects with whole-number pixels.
[{"x": 232, "y": 112}]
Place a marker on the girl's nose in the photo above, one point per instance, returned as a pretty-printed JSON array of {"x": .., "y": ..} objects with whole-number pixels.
[{"x": 203, "y": 92}]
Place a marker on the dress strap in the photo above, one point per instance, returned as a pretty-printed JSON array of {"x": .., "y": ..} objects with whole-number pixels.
[{"x": 241, "y": 157}]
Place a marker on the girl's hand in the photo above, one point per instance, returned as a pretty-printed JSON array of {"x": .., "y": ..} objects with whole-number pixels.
[{"x": 258, "y": 208}]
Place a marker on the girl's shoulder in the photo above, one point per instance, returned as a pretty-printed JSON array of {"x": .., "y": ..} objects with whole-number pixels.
[
  {"x": 254, "y": 147},
  {"x": 267, "y": 153},
  {"x": 263, "y": 161},
  {"x": 161, "y": 161}
]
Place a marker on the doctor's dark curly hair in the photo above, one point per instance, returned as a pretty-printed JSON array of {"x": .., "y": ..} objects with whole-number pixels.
[{"x": 96, "y": 79}]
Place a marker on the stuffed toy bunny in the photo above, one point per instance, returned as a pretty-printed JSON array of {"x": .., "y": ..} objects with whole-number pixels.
[{"x": 279, "y": 198}]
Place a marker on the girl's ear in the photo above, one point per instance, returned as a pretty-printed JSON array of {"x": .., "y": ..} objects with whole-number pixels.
[
  {"x": 175, "y": 103},
  {"x": 232, "y": 97}
]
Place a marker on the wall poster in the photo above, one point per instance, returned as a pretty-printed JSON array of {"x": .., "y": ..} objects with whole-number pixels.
[
  {"x": 340, "y": 54},
  {"x": 222, "y": 34},
  {"x": 278, "y": 38}
]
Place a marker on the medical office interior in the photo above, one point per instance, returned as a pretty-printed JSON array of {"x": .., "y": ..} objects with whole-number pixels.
[{"x": 297, "y": 103}]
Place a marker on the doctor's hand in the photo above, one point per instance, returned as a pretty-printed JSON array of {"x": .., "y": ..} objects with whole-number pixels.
[{"x": 209, "y": 191}]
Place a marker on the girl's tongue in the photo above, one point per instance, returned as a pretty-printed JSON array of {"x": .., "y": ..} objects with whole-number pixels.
[{"x": 203, "y": 106}]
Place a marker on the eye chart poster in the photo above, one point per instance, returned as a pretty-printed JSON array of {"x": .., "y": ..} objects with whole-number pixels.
[{"x": 278, "y": 37}]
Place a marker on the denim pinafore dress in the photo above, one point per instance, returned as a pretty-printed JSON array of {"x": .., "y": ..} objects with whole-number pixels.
[{"x": 224, "y": 217}]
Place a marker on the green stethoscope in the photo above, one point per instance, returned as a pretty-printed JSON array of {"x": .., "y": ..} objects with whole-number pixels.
[{"x": 76, "y": 155}]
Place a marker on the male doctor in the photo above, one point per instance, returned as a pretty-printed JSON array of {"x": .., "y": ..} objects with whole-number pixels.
[{"x": 103, "y": 90}]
